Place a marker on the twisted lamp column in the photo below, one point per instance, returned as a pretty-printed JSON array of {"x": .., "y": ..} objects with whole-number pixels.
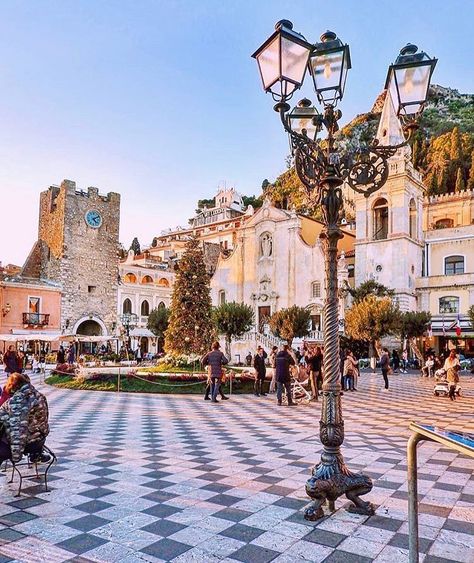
[{"x": 331, "y": 478}]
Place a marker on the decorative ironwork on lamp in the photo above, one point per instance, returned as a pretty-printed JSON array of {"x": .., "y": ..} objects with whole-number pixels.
[{"x": 323, "y": 167}]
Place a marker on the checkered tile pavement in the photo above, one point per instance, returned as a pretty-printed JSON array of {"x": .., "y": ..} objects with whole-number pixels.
[{"x": 174, "y": 478}]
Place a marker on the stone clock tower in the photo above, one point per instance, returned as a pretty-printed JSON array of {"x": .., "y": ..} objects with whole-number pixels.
[
  {"x": 77, "y": 246},
  {"x": 389, "y": 243}
]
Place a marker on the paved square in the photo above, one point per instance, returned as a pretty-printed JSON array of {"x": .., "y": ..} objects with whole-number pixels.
[{"x": 174, "y": 478}]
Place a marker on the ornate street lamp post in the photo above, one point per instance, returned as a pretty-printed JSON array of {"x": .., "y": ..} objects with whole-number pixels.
[
  {"x": 323, "y": 167},
  {"x": 129, "y": 322}
]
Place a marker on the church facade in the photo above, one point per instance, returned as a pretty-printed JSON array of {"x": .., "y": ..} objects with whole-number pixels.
[{"x": 277, "y": 262}]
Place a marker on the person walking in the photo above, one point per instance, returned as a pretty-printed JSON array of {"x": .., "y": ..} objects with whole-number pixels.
[
  {"x": 71, "y": 355},
  {"x": 60, "y": 356},
  {"x": 395, "y": 361},
  {"x": 314, "y": 359},
  {"x": 452, "y": 367},
  {"x": 350, "y": 370},
  {"x": 404, "y": 361},
  {"x": 215, "y": 359},
  {"x": 282, "y": 370},
  {"x": 260, "y": 371},
  {"x": 273, "y": 355},
  {"x": 12, "y": 361},
  {"x": 385, "y": 366}
]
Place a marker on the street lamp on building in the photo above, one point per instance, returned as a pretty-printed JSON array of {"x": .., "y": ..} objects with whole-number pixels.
[
  {"x": 323, "y": 167},
  {"x": 129, "y": 322}
]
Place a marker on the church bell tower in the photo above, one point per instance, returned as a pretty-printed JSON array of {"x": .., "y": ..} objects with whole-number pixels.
[{"x": 389, "y": 246}]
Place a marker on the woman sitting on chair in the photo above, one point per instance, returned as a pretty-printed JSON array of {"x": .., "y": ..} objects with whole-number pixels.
[{"x": 24, "y": 421}]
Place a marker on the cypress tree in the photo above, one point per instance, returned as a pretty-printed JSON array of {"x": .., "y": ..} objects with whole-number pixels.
[
  {"x": 470, "y": 181},
  {"x": 455, "y": 153},
  {"x": 190, "y": 329},
  {"x": 459, "y": 186}
]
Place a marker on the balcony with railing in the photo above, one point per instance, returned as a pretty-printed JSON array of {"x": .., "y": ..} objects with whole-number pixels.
[{"x": 36, "y": 319}]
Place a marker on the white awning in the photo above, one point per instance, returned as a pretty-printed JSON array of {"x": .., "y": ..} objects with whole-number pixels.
[
  {"x": 30, "y": 335},
  {"x": 142, "y": 332}
]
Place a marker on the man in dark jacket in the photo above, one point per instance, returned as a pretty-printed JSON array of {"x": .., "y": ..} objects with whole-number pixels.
[
  {"x": 260, "y": 370},
  {"x": 385, "y": 366},
  {"x": 283, "y": 378},
  {"x": 215, "y": 359}
]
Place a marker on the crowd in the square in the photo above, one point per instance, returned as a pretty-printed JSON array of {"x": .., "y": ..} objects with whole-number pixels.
[{"x": 295, "y": 368}]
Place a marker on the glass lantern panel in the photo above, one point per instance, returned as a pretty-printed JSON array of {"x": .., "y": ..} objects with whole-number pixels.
[
  {"x": 413, "y": 85},
  {"x": 304, "y": 124},
  {"x": 294, "y": 58},
  {"x": 269, "y": 63},
  {"x": 327, "y": 70}
]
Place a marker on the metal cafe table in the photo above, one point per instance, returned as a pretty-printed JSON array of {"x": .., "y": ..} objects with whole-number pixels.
[{"x": 462, "y": 442}]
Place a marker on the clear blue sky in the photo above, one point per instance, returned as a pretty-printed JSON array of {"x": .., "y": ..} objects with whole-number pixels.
[{"x": 160, "y": 100}]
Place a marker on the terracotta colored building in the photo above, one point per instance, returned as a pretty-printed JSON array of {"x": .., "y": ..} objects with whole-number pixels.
[{"x": 29, "y": 308}]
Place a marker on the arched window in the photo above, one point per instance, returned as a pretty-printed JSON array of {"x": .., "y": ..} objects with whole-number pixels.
[
  {"x": 380, "y": 210},
  {"x": 316, "y": 290},
  {"x": 412, "y": 219},
  {"x": 444, "y": 224},
  {"x": 163, "y": 282},
  {"x": 350, "y": 270},
  {"x": 453, "y": 265},
  {"x": 145, "y": 309},
  {"x": 147, "y": 279},
  {"x": 221, "y": 297},
  {"x": 127, "y": 306},
  {"x": 449, "y": 305},
  {"x": 130, "y": 278},
  {"x": 161, "y": 305}
]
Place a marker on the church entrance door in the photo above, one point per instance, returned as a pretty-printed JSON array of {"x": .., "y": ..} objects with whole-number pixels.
[
  {"x": 144, "y": 345},
  {"x": 264, "y": 314}
]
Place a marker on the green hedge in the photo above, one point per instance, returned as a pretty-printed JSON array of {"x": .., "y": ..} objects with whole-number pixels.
[{"x": 132, "y": 385}]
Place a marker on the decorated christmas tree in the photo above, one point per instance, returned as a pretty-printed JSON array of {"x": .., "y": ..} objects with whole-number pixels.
[{"x": 190, "y": 328}]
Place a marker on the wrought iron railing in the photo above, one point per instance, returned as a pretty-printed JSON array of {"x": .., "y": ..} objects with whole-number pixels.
[{"x": 36, "y": 319}]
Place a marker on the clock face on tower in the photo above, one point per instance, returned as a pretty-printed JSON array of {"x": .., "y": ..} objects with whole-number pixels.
[{"x": 93, "y": 219}]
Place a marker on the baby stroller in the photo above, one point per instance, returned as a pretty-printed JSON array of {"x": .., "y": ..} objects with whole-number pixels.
[
  {"x": 442, "y": 384},
  {"x": 299, "y": 381}
]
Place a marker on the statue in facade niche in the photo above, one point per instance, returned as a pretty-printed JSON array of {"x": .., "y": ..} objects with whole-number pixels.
[{"x": 266, "y": 245}]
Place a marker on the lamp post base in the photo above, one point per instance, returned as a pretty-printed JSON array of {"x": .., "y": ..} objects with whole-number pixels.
[{"x": 329, "y": 489}]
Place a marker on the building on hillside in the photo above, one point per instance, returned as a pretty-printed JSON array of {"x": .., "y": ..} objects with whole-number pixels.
[
  {"x": 446, "y": 286},
  {"x": 145, "y": 283},
  {"x": 77, "y": 249},
  {"x": 277, "y": 262},
  {"x": 10, "y": 270},
  {"x": 30, "y": 309},
  {"x": 217, "y": 225},
  {"x": 228, "y": 205}
]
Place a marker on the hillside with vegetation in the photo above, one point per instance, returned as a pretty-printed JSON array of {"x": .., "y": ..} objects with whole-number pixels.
[{"x": 442, "y": 149}]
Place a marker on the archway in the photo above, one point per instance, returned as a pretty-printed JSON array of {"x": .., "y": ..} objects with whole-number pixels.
[{"x": 89, "y": 327}]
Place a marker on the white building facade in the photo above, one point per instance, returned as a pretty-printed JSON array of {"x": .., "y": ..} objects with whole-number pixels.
[{"x": 144, "y": 284}]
